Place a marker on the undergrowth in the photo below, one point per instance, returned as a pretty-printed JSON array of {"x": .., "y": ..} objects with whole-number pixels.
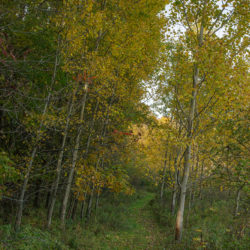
[{"x": 207, "y": 225}]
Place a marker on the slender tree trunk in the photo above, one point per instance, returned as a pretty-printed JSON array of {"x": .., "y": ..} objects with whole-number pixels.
[
  {"x": 196, "y": 177},
  {"x": 100, "y": 158},
  {"x": 74, "y": 209},
  {"x": 37, "y": 194},
  {"x": 33, "y": 154},
  {"x": 191, "y": 184},
  {"x": 82, "y": 208},
  {"x": 201, "y": 177},
  {"x": 87, "y": 207},
  {"x": 190, "y": 198},
  {"x": 70, "y": 206},
  {"x": 28, "y": 170},
  {"x": 97, "y": 201},
  {"x": 47, "y": 199},
  {"x": 173, "y": 205},
  {"x": 237, "y": 201},
  {"x": 180, "y": 213},
  {"x": 164, "y": 177},
  {"x": 59, "y": 162},
  {"x": 187, "y": 156},
  {"x": 91, "y": 129},
  {"x": 74, "y": 160},
  {"x": 90, "y": 203}
]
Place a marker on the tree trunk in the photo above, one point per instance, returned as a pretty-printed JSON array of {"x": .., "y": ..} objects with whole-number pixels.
[
  {"x": 33, "y": 154},
  {"x": 237, "y": 201},
  {"x": 74, "y": 209},
  {"x": 59, "y": 162},
  {"x": 196, "y": 177},
  {"x": 201, "y": 176},
  {"x": 164, "y": 177},
  {"x": 187, "y": 156},
  {"x": 74, "y": 160},
  {"x": 173, "y": 205},
  {"x": 47, "y": 199},
  {"x": 97, "y": 202},
  {"x": 82, "y": 208},
  {"x": 37, "y": 194},
  {"x": 191, "y": 184},
  {"x": 90, "y": 203},
  {"x": 180, "y": 213},
  {"x": 28, "y": 170},
  {"x": 71, "y": 205},
  {"x": 91, "y": 129}
]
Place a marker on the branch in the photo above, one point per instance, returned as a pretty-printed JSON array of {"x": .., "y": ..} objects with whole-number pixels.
[
  {"x": 217, "y": 19},
  {"x": 224, "y": 23},
  {"x": 186, "y": 17}
]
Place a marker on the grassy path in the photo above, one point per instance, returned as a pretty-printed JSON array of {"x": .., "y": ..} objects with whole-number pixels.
[{"x": 144, "y": 233}]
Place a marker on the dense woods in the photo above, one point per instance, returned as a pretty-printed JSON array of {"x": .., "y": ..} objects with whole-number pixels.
[{"x": 124, "y": 124}]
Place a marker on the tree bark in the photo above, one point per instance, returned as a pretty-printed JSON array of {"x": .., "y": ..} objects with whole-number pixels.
[
  {"x": 180, "y": 213},
  {"x": 237, "y": 201},
  {"x": 164, "y": 177},
  {"x": 73, "y": 216},
  {"x": 82, "y": 208},
  {"x": 37, "y": 194},
  {"x": 33, "y": 154},
  {"x": 187, "y": 156},
  {"x": 28, "y": 170},
  {"x": 74, "y": 160},
  {"x": 173, "y": 205},
  {"x": 90, "y": 203},
  {"x": 201, "y": 177},
  {"x": 91, "y": 129},
  {"x": 59, "y": 162}
]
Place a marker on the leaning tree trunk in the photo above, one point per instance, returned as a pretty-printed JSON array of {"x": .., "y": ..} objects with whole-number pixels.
[
  {"x": 75, "y": 155},
  {"x": 100, "y": 158},
  {"x": 59, "y": 162},
  {"x": 33, "y": 154},
  {"x": 28, "y": 170}
]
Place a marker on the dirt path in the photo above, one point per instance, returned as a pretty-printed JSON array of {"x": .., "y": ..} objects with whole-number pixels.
[{"x": 155, "y": 234}]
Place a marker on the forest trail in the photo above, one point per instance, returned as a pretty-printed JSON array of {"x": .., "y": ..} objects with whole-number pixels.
[{"x": 144, "y": 233}]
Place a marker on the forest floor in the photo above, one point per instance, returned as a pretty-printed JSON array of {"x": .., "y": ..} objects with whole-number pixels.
[
  {"x": 145, "y": 232},
  {"x": 130, "y": 224}
]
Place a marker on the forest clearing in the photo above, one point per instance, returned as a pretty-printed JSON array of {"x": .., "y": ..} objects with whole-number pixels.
[{"x": 124, "y": 124}]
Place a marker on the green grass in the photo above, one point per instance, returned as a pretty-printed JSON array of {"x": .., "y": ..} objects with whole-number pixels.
[
  {"x": 128, "y": 223},
  {"x": 139, "y": 230},
  {"x": 208, "y": 225},
  {"x": 135, "y": 222}
]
